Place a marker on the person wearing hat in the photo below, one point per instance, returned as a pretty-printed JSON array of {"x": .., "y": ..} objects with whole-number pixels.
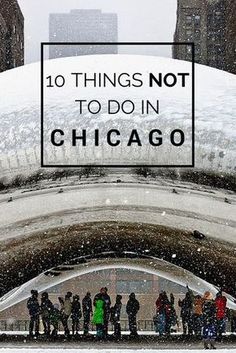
[
  {"x": 34, "y": 310},
  {"x": 75, "y": 314},
  {"x": 209, "y": 321}
]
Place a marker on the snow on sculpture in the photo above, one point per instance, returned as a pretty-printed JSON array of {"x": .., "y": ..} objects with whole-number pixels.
[{"x": 20, "y": 114}]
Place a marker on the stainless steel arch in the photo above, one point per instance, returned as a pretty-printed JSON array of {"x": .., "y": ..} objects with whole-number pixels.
[{"x": 108, "y": 260}]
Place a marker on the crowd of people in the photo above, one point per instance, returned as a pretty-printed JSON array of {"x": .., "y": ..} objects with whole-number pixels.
[
  {"x": 99, "y": 312},
  {"x": 202, "y": 316}
]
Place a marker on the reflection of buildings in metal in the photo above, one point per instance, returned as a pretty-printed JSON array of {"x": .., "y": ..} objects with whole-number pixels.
[{"x": 84, "y": 265}]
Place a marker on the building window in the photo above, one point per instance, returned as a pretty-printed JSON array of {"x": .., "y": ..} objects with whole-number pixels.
[
  {"x": 127, "y": 287},
  {"x": 198, "y": 49},
  {"x": 189, "y": 49},
  {"x": 188, "y": 20},
  {"x": 171, "y": 287},
  {"x": 58, "y": 289},
  {"x": 197, "y": 20},
  {"x": 197, "y": 34},
  {"x": 189, "y": 34}
]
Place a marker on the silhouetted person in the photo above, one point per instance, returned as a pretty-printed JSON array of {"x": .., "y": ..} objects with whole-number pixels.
[
  {"x": 66, "y": 306},
  {"x": 87, "y": 311},
  {"x": 34, "y": 310},
  {"x": 46, "y": 308},
  {"x": 187, "y": 312},
  {"x": 132, "y": 309},
  {"x": 115, "y": 317},
  {"x": 75, "y": 314}
]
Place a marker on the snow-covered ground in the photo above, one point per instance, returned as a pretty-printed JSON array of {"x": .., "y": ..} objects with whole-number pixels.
[{"x": 20, "y": 115}]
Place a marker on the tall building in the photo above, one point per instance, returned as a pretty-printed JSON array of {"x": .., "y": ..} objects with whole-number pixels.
[
  {"x": 231, "y": 36},
  {"x": 82, "y": 26},
  {"x": 191, "y": 26},
  {"x": 209, "y": 24},
  {"x": 11, "y": 35}
]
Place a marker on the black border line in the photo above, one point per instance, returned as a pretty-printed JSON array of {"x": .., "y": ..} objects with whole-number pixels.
[{"x": 192, "y": 165}]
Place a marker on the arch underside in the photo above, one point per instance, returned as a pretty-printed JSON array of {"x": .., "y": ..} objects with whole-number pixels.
[
  {"x": 84, "y": 265},
  {"x": 150, "y": 247}
]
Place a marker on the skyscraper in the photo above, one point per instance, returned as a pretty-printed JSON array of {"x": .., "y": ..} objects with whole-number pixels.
[
  {"x": 191, "y": 26},
  {"x": 82, "y": 26},
  {"x": 231, "y": 36},
  {"x": 11, "y": 35},
  {"x": 209, "y": 24}
]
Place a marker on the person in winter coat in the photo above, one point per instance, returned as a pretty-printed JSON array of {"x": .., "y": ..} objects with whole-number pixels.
[
  {"x": 173, "y": 315},
  {"x": 132, "y": 309},
  {"x": 186, "y": 313},
  {"x": 107, "y": 308},
  {"x": 209, "y": 321},
  {"x": 115, "y": 317},
  {"x": 55, "y": 317},
  {"x": 98, "y": 316},
  {"x": 197, "y": 314},
  {"x": 220, "y": 303},
  {"x": 34, "y": 311},
  {"x": 87, "y": 311},
  {"x": 161, "y": 314},
  {"x": 66, "y": 306},
  {"x": 75, "y": 314},
  {"x": 46, "y": 308}
]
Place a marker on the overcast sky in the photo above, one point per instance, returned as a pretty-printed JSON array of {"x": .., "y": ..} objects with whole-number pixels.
[{"x": 139, "y": 20}]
